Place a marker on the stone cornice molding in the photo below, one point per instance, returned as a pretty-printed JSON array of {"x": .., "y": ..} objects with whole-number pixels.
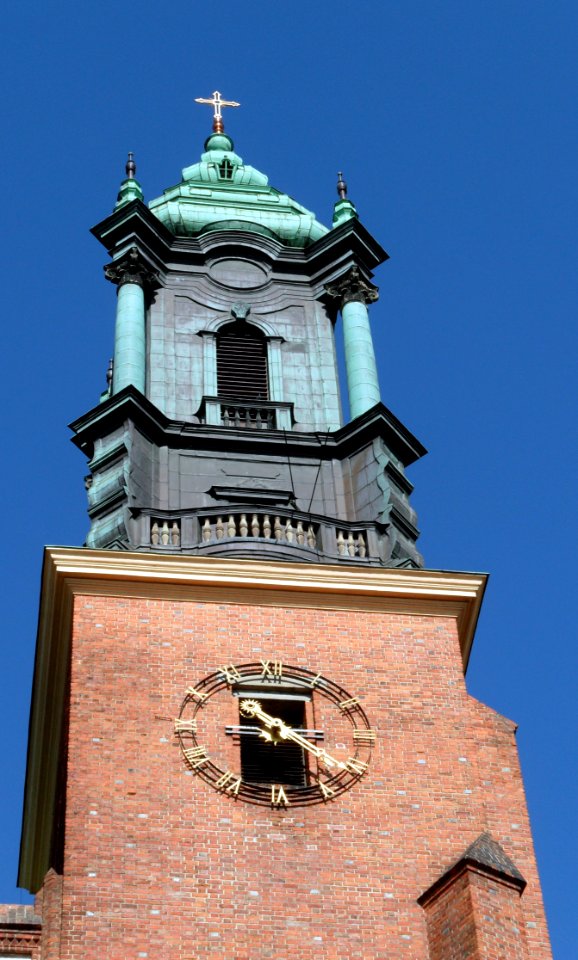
[
  {"x": 441, "y": 593},
  {"x": 130, "y": 405},
  {"x": 321, "y": 261}
]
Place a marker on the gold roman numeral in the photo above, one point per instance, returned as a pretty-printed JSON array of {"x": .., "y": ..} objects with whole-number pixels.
[
  {"x": 350, "y": 704},
  {"x": 196, "y": 756},
  {"x": 364, "y": 736},
  {"x": 356, "y": 766},
  {"x": 315, "y": 681},
  {"x": 230, "y": 673},
  {"x": 185, "y": 726},
  {"x": 229, "y": 782},
  {"x": 325, "y": 790},
  {"x": 278, "y": 796},
  {"x": 193, "y": 694},
  {"x": 272, "y": 670}
]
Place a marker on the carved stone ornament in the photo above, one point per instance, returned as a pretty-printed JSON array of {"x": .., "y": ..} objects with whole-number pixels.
[
  {"x": 352, "y": 288},
  {"x": 240, "y": 310},
  {"x": 131, "y": 269}
]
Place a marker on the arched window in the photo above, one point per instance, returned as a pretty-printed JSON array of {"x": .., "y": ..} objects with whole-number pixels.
[{"x": 241, "y": 362}]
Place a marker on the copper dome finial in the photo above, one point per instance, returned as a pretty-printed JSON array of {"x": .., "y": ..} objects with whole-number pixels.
[{"x": 218, "y": 103}]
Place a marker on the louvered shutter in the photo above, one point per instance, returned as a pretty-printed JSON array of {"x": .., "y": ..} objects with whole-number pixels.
[
  {"x": 241, "y": 363},
  {"x": 281, "y": 763}
]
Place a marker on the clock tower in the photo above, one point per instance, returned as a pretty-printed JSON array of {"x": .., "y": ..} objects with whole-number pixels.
[{"x": 250, "y": 734}]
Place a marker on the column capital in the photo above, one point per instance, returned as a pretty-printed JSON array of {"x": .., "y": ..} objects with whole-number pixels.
[
  {"x": 131, "y": 269},
  {"x": 352, "y": 288}
]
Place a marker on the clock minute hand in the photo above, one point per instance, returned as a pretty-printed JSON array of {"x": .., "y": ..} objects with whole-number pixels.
[{"x": 282, "y": 731}]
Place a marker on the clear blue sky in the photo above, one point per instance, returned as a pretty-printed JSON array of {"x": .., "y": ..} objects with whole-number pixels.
[{"x": 455, "y": 125}]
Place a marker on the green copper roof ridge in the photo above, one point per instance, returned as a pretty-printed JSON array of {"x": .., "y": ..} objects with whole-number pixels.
[{"x": 221, "y": 188}]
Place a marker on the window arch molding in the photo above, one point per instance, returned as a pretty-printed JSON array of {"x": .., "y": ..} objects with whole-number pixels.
[
  {"x": 264, "y": 326},
  {"x": 272, "y": 337}
]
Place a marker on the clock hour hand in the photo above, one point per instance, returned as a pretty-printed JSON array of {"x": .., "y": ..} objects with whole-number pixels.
[{"x": 276, "y": 730}]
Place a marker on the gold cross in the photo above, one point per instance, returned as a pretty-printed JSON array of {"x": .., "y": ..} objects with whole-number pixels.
[{"x": 218, "y": 103}]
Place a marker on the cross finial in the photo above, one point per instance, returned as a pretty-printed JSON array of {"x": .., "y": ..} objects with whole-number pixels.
[{"x": 218, "y": 103}]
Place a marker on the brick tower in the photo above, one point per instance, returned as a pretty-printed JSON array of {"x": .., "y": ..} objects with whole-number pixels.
[{"x": 250, "y": 734}]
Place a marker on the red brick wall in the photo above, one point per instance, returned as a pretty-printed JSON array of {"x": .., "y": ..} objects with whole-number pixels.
[
  {"x": 499, "y": 919},
  {"x": 50, "y": 903},
  {"x": 476, "y": 916},
  {"x": 450, "y": 923},
  {"x": 160, "y": 865}
]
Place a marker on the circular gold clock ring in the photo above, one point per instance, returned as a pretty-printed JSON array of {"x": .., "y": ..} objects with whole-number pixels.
[{"x": 298, "y": 770}]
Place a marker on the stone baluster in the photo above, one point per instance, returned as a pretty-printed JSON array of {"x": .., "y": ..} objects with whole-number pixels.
[
  {"x": 341, "y": 545},
  {"x": 289, "y": 531},
  {"x": 155, "y": 536},
  {"x": 361, "y": 546},
  {"x": 175, "y": 534},
  {"x": 278, "y": 529},
  {"x": 351, "y": 545},
  {"x": 311, "y": 538},
  {"x": 207, "y": 533},
  {"x": 165, "y": 533},
  {"x": 255, "y": 531},
  {"x": 300, "y": 533},
  {"x": 220, "y": 529},
  {"x": 231, "y": 526},
  {"x": 266, "y": 527},
  {"x": 243, "y": 526}
]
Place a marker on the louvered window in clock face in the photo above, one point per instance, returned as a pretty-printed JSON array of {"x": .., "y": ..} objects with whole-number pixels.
[
  {"x": 284, "y": 762},
  {"x": 274, "y": 734}
]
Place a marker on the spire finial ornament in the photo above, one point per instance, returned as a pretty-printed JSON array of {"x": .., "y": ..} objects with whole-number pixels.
[
  {"x": 130, "y": 188},
  {"x": 217, "y": 102},
  {"x": 130, "y": 166},
  {"x": 343, "y": 209},
  {"x": 341, "y": 187}
]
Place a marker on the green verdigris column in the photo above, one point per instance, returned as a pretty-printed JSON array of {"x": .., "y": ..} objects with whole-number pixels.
[
  {"x": 353, "y": 294},
  {"x": 133, "y": 277}
]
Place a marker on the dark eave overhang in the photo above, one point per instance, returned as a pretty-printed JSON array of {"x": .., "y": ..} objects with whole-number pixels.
[
  {"x": 131, "y": 405},
  {"x": 323, "y": 261}
]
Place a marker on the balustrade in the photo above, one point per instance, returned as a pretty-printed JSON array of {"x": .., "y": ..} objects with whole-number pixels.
[
  {"x": 260, "y": 526},
  {"x": 250, "y": 417},
  {"x": 165, "y": 533},
  {"x": 256, "y": 525},
  {"x": 247, "y": 414},
  {"x": 351, "y": 543}
]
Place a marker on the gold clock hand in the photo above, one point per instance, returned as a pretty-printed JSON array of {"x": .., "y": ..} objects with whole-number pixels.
[{"x": 282, "y": 731}]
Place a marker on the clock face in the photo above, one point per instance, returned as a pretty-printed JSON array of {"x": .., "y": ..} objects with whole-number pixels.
[{"x": 274, "y": 734}]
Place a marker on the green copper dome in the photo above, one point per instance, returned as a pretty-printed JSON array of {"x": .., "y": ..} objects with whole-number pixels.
[{"x": 222, "y": 193}]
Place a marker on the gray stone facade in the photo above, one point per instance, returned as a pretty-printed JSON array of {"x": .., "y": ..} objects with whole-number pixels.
[{"x": 177, "y": 469}]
